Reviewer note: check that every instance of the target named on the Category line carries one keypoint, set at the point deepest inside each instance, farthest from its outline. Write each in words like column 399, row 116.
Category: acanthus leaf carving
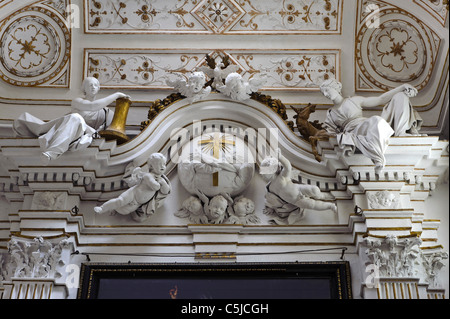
column 396, row 257
column 38, row 258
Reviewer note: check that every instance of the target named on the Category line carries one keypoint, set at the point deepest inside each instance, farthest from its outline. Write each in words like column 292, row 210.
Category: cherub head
column 216, row 210
column 196, row 82
column 386, row 198
column 193, row 205
column 157, row 163
column 243, row 206
column 234, row 80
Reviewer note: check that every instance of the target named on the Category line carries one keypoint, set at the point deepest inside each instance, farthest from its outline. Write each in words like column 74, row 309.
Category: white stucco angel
column 216, row 209
column 285, row 195
column 193, row 88
column 148, row 192
column 238, row 89
column 192, row 208
column 242, row 211
column 370, row 135
column 72, row 131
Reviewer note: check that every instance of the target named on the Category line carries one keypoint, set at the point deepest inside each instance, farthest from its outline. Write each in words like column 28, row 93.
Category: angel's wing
column 224, row 89
column 133, row 174
column 229, row 69
column 201, row 95
column 180, row 85
column 209, row 72
column 254, row 84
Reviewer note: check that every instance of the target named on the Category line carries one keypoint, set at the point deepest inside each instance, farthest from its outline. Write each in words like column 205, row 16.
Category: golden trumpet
column 116, row 130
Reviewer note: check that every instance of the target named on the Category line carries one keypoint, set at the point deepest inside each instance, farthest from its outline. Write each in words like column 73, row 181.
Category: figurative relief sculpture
column 147, row 192
column 215, row 181
column 383, row 200
column 73, row 131
column 221, row 209
column 286, row 200
column 238, row 89
column 193, row 89
column 223, row 77
column 370, row 135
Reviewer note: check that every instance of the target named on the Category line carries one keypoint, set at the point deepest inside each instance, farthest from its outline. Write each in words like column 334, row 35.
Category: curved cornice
column 218, row 110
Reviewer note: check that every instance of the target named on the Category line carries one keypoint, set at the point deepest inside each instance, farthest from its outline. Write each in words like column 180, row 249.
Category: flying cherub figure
column 218, row 72
column 238, row 89
column 193, row 89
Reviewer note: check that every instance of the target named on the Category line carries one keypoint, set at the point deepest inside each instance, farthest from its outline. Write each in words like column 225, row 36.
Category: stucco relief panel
column 214, row 16
column 35, row 48
column 392, row 47
column 285, row 69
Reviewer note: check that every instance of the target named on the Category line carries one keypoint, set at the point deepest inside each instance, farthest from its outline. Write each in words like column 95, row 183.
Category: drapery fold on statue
column 69, row 132
column 370, row 135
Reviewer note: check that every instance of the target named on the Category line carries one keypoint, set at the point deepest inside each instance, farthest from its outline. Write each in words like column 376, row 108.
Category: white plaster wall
column 437, row 207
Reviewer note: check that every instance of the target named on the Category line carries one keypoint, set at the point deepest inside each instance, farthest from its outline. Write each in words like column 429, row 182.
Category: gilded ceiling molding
column 4, row 3
column 214, row 16
column 36, row 46
column 438, row 9
column 286, row 70
column 392, row 46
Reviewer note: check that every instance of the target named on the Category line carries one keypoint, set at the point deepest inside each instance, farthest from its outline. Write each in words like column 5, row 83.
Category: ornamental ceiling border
column 286, row 69
column 35, row 46
column 213, row 17
column 392, row 46
column 438, row 9
column 4, row 3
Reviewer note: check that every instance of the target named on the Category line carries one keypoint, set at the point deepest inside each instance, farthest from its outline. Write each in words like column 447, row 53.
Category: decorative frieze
column 285, row 70
column 214, row 16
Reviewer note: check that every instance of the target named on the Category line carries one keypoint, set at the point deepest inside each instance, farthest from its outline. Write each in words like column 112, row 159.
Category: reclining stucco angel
column 285, row 199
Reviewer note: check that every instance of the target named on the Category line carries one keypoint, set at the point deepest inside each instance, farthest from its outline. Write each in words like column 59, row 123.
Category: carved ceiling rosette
column 392, row 47
column 35, row 48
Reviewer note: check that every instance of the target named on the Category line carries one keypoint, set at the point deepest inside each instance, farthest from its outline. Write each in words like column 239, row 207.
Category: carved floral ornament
column 35, row 48
column 392, row 46
column 402, row 257
column 37, row 258
column 214, row 16
column 287, row 70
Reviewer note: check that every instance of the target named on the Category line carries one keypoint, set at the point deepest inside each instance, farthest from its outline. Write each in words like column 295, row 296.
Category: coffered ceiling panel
column 214, row 16
column 392, row 47
column 35, row 47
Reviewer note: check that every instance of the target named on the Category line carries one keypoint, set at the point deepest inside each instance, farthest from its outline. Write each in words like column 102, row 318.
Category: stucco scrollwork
column 392, row 46
column 35, row 48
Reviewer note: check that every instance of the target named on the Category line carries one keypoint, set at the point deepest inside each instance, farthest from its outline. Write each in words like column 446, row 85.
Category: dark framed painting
column 315, row 280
